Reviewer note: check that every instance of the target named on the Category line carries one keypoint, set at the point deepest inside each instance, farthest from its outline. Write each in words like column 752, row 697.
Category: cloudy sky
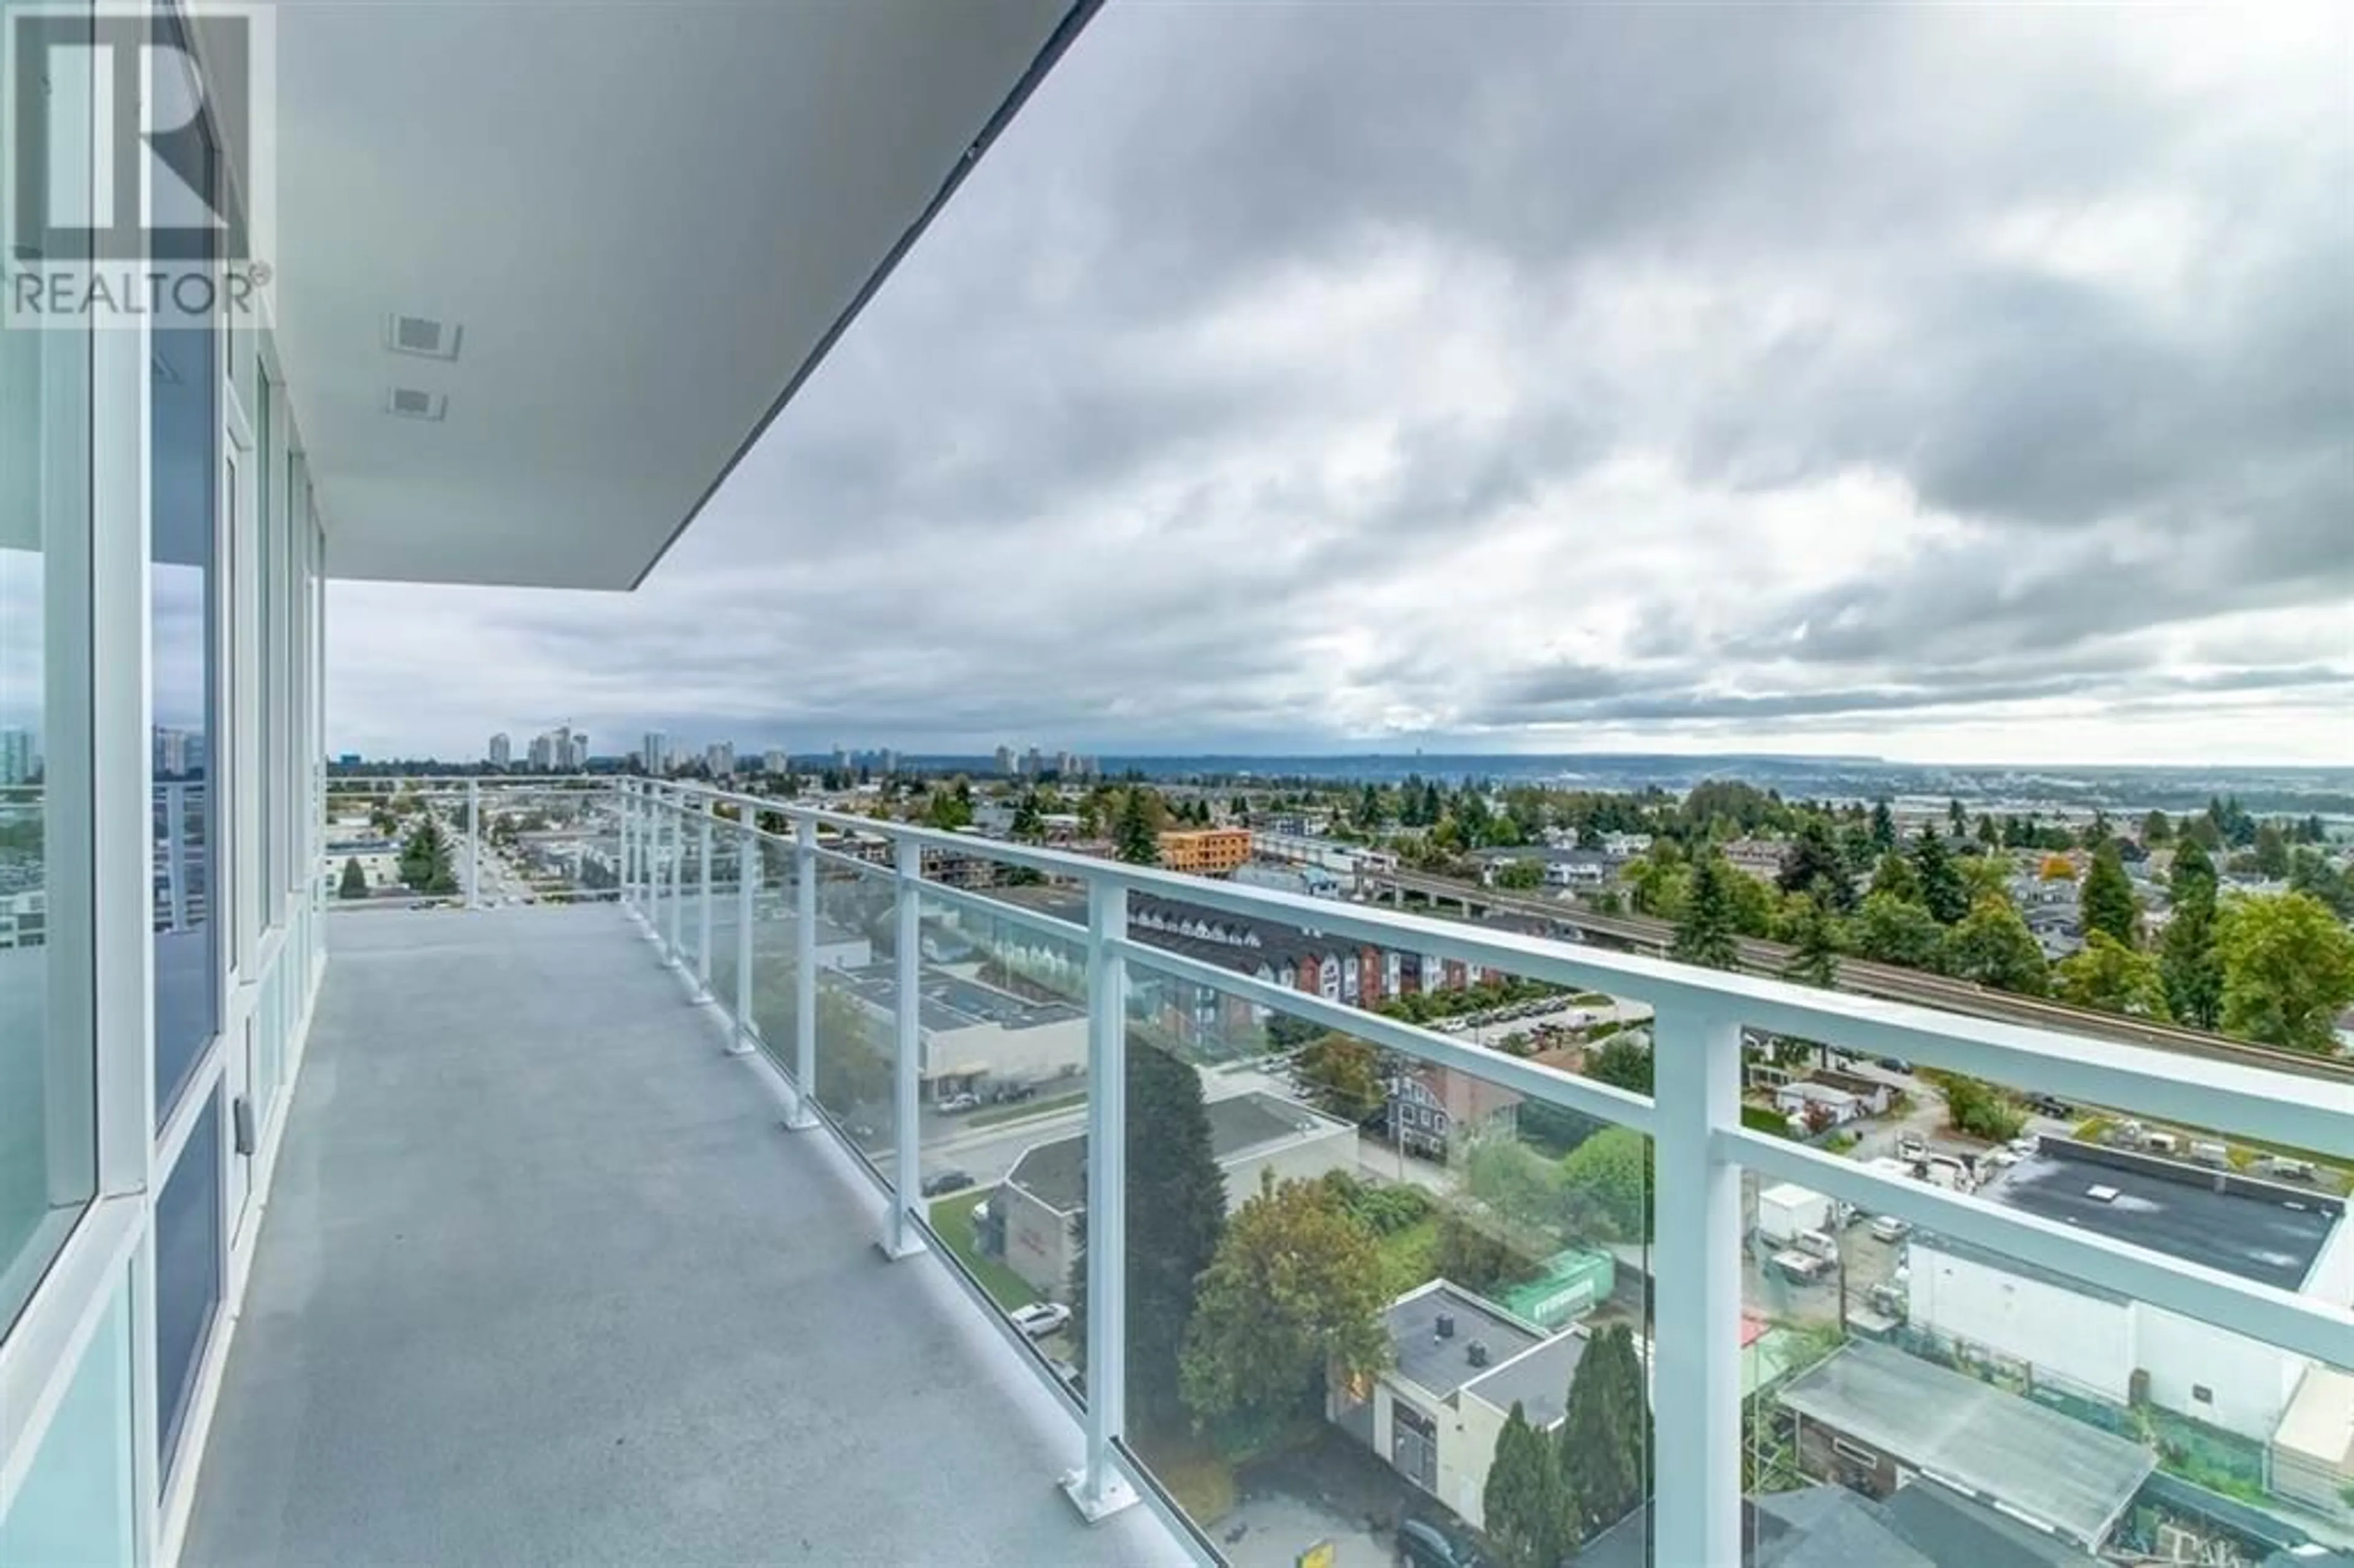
column 1943, row 383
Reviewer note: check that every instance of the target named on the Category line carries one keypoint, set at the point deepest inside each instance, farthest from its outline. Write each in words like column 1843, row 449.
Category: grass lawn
column 990, row 1116
column 1194, row 1473
column 1407, row 1255
column 952, row 1218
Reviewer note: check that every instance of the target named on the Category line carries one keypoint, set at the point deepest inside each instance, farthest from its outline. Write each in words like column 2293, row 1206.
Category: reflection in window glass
column 186, row 428
column 48, row 1104
column 187, row 1269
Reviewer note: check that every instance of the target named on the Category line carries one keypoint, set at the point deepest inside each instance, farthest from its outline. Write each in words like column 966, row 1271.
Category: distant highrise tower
column 840, row 759
column 575, row 750
column 776, row 762
column 888, row 763
column 543, row 753
column 719, row 759
column 502, row 750
column 177, row 755
column 1005, row 759
column 18, row 763
column 653, row 753
column 1033, row 762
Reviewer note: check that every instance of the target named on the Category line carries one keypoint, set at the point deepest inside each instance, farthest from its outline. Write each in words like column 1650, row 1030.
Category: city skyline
column 1456, row 382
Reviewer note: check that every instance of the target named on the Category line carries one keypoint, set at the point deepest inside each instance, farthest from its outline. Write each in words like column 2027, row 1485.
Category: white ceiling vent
column 408, row 403
column 422, row 336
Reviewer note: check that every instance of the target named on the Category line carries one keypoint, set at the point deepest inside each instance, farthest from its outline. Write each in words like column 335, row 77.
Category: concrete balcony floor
column 543, row 1280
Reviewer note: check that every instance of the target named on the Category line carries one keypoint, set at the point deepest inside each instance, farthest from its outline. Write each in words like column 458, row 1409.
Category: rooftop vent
column 2102, row 1194
column 1443, row 1326
column 408, row 403
column 1478, row 1353
column 422, row 336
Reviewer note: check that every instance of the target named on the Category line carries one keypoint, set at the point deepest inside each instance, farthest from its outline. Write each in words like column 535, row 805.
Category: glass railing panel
column 1003, row 1097
column 856, row 1043
column 726, row 885
column 776, row 975
column 1399, row 1253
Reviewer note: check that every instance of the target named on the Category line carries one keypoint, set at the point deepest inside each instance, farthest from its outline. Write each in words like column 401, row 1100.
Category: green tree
column 1604, row 1444
column 2188, row 961
column 2157, row 829
column 425, row 857
column 2108, row 896
column 1894, row 876
column 1658, row 883
column 1029, row 824
column 1623, row 1061
column 1610, row 1175
column 1892, row 930
column 1532, row 1516
column 1709, row 931
column 1519, row 875
column 1978, row 1108
column 1817, row 869
column 1943, row 892
column 1958, row 818
column 2309, row 873
column 354, row 881
column 1993, row 947
column 2113, row 976
column 1296, row 1289
column 2288, row 968
column 2271, row 852
column 1477, row 1255
column 1814, row 947
column 1884, row 827
column 1136, row 837
column 1343, row 1076
column 1176, row 1213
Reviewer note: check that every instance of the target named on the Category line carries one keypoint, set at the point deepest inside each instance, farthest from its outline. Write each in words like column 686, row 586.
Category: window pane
column 47, row 1057
column 186, row 428
column 187, row 1269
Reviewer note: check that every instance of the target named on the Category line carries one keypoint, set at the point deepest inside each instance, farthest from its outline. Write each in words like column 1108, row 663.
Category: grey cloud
column 1027, row 497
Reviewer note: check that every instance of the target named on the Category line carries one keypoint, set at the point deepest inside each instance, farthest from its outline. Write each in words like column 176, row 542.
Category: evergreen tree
column 1532, row 1516
column 2271, row 852
column 424, row 858
column 1989, row 834
column 1605, row 1433
column 2157, row 829
column 354, row 881
column 1814, row 947
column 1884, row 827
column 1956, row 817
column 1817, row 868
column 1709, row 930
column 1176, row 1213
column 1134, row 837
column 2108, row 899
column 1943, row 892
column 2187, row 958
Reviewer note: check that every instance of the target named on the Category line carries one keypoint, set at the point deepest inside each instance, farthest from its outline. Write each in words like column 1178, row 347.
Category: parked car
column 1423, row 1544
column 1041, row 1318
column 941, row 1183
column 1895, row 1064
column 1889, row 1228
column 956, row 1103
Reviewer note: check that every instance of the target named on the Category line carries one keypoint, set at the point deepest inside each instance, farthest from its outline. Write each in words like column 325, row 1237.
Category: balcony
column 545, row 1273
column 543, row 1278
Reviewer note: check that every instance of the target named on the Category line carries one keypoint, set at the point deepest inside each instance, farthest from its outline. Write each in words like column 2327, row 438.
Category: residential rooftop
column 1524, row 1364
column 2258, row 1230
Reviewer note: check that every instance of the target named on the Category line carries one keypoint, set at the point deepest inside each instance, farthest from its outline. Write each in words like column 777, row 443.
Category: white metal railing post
column 903, row 1239
column 626, row 801
column 1696, row 1294
column 748, row 886
column 675, row 873
column 704, row 816
column 1097, row 1488
column 804, row 1113
column 474, row 844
